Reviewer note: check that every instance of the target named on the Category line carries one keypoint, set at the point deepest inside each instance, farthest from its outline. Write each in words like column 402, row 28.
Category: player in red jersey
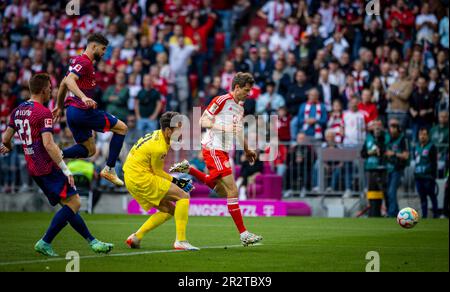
column 34, row 124
column 223, row 121
column 82, row 114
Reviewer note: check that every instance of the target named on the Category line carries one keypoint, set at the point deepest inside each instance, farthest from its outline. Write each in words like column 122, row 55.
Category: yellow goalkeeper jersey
column 147, row 157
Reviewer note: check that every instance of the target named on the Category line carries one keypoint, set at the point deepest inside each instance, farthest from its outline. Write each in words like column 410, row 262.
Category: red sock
column 204, row 178
column 235, row 212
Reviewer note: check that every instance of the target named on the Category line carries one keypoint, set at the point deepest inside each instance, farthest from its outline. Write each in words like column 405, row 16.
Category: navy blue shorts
column 82, row 121
column 55, row 186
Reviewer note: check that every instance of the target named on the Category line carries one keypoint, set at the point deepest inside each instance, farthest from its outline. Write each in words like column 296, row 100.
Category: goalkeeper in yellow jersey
column 151, row 186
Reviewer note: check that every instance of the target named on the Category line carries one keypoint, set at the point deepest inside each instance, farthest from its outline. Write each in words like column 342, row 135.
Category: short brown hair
column 39, row 82
column 98, row 38
column 242, row 79
column 166, row 118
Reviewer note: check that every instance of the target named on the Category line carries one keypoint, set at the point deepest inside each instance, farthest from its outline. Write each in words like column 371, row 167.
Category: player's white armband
column 64, row 168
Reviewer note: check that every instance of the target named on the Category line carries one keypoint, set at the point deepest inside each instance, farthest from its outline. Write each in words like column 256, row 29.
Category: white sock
column 244, row 233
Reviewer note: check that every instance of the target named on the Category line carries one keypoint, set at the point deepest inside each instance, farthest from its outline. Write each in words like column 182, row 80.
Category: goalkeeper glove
column 184, row 184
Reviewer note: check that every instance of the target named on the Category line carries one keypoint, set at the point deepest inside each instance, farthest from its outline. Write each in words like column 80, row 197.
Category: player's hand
column 184, row 184
column 89, row 102
column 57, row 114
column 251, row 156
column 71, row 181
column 4, row 149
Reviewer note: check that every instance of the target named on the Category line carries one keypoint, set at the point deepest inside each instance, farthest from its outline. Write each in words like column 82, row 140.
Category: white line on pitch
column 115, row 255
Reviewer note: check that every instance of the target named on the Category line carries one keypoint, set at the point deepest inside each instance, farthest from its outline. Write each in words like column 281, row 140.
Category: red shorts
column 218, row 163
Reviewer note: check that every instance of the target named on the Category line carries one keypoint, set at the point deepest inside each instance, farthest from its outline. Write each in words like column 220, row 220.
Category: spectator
column 361, row 76
column 335, row 123
column 280, row 77
column 379, row 98
column 328, row 91
column 300, row 163
column 296, row 96
column 398, row 95
column 253, row 41
column 227, row 75
column 269, row 102
column 374, row 164
column 199, row 34
column 312, row 116
column 421, row 107
column 264, row 67
column 247, row 175
column 133, row 134
column 368, row 108
column 335, row 75
column 116, row 97
column 443, row 30
column 147, row 107
column 280, row 41
column 332, row 169
column 284, row 124
column 354, row 124
column 180, row 55
column 240, row 63
column 439, row 137
column 338, row 43
column 386, row 76
column 397, row 158
column 215, row 89
column 326, row 12
column 373, row 35
column 275, row 10
column 426, row 24
column 425, row 170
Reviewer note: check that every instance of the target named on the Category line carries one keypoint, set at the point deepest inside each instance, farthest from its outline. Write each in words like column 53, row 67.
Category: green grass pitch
column 290, row 244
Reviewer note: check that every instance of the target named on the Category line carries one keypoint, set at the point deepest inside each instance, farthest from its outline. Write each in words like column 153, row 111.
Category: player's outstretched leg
column 109, row 173
column 227, row 187
column 59, row 221
column 184, row 167
column 96, row 245
column 134, row 240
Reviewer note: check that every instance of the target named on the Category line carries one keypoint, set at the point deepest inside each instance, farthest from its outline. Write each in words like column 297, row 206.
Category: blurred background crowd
column 329, row 69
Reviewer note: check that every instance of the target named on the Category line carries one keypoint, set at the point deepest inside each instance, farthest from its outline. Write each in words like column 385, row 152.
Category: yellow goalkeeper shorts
column 147, row 189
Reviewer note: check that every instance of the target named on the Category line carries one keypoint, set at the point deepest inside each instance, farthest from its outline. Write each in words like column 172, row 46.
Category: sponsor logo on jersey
column 48, row 123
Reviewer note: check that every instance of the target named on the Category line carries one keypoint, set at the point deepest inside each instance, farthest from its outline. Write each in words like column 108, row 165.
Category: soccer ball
column 407, row 217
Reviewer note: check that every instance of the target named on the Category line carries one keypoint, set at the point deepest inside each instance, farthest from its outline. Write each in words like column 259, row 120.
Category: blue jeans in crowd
column 335, row 176
column 146, row 125
column 225, row 17
column 393, row 182
column 426, row 187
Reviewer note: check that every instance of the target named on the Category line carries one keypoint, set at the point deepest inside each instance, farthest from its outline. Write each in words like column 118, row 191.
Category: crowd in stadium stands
column 329, row 69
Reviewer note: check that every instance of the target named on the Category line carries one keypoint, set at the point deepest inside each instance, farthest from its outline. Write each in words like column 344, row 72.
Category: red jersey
column 83, row 67
column 369, row 111
column 30, row 119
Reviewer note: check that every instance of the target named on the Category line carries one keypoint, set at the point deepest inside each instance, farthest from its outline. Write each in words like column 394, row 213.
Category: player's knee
column 121, row 128
column 74, row 203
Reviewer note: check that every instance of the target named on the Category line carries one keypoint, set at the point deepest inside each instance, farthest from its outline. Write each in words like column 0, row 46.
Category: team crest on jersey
column 214, row 108
column 48, row 123
column 227, row 164
column 163, row 156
